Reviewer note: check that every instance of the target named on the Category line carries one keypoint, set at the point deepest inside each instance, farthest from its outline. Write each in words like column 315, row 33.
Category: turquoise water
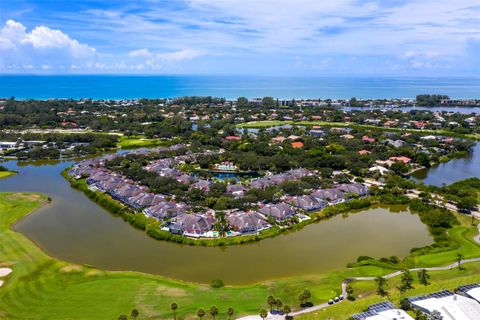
column 230, row 87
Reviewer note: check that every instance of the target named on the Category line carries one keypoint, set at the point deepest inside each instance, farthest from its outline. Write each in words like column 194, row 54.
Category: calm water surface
column 75, row 229
column 232, row 86
column 457, row 169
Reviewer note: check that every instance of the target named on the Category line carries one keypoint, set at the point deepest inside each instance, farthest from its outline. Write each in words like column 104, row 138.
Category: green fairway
column 439, row 280
column 6, row 174
column 267, row 124
column 139, row 142
column 41, row 287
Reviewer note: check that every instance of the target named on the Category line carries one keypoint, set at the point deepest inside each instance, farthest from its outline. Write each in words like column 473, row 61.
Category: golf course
column 42, row 287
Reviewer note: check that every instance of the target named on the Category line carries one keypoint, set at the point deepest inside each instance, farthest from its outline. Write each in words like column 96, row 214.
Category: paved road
column 347, row 281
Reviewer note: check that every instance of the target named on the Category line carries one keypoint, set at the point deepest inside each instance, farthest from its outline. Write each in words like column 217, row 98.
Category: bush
column 217, row 283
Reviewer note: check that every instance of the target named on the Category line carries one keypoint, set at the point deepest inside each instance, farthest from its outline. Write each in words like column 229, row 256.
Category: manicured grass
column 463, row 235
column 41, row 287
column 439, row 280
column 6, row 174
column 139, row 142
column 267, row 124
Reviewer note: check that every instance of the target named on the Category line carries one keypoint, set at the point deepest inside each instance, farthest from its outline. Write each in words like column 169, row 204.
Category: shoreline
column 116, row 208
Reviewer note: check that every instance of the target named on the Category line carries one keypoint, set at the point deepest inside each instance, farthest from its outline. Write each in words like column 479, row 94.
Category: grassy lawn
column 6, row 174
column 439, row 280
column 139, row 142
column 41, row 287
column 267, row 124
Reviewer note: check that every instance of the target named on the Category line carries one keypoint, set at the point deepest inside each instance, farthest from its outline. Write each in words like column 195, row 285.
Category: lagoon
column 75, row 229
column 454, row 170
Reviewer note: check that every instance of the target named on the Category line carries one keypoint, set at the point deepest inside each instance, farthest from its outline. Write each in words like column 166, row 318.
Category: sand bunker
column 5, row 272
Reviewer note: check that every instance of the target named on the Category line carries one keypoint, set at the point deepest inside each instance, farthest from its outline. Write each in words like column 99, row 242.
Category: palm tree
column 423, row 277
column 134, row 314
column 123, row 317
column 263, row 313
column 230, row 312
column 174, row 307
column 271, row 302
column 200, row 313
column 278, row 304
column 301, row 297
column 407, row 280
column 381, row 284
column 307, row 295
column 459, row 260
column 287, row 309
column 213, row 311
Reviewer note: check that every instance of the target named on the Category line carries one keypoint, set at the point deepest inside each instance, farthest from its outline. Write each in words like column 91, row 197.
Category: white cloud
column 181, row 55
column 42, row 48
column 140, row 53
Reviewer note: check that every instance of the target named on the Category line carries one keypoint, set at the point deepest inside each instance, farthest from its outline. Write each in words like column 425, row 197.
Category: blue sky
column 259, row 37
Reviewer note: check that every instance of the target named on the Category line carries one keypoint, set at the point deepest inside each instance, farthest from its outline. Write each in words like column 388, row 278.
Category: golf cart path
column 348, row 280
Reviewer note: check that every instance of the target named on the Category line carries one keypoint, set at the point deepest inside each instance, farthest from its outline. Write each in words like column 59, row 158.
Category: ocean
column 230, row 87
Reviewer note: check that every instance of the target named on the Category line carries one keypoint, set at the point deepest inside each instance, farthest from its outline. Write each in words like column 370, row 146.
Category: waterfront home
column 112, row 183
column 98, row 175
column 142, row 200
column 165, row 210
column 237, row 190
column 247, row 222
column 126, row 191
column 279, row 212
column 307, row 203
column 356, row 188
column 193, row 225
column 332, row 195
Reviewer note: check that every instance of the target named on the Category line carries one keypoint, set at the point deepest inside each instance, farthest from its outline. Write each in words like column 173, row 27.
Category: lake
column 75, row 229
column 447, row 173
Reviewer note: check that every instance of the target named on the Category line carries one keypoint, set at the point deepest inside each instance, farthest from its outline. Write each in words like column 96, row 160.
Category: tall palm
column 287, row 309
column 213, row 311
column 307, row 294
column 381, row 285
column 200, row 313
column 459, row 260
column 271, row 302
column 134, row 314
column 230, row 312
column 174, row 307
column 263, row 313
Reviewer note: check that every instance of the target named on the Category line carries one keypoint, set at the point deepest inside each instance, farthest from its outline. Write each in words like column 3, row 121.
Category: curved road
column 347, row 281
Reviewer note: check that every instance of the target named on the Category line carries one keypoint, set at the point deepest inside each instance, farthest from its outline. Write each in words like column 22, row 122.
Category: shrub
column 217, row 283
